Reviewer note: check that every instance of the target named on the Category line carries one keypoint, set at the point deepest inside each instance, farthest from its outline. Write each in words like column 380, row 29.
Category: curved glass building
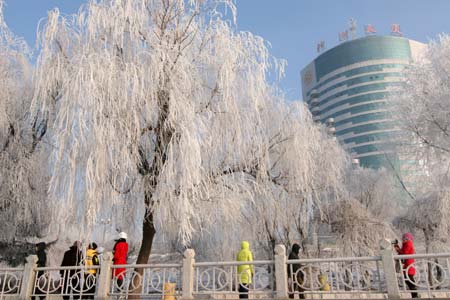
column 346, row 87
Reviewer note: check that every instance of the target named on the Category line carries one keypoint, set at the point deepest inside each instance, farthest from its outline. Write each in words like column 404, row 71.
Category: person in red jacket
column 408, row 264
column 120, row 258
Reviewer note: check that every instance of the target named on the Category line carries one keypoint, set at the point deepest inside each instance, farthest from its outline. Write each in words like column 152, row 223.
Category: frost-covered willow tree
column 423, row 110
column 309, row 173
column 305, row 172
column 158, row 103
column 162, row 106
column 364, row 216
column 293, row 205
column 23, row 176
column 430, row 216
column 357, row 231
column 378, row 191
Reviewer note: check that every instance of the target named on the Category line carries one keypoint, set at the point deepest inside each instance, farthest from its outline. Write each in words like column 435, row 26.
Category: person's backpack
column 95, row 260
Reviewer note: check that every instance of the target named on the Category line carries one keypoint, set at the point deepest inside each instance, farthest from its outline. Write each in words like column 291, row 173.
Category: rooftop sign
column 351, row 33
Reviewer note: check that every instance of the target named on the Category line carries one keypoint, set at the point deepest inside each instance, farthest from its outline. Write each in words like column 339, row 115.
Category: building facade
column 346, row 88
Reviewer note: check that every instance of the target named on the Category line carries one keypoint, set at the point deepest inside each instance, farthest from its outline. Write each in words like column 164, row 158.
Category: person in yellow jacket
column 245, row 272
column 90, row 273
column 324, row 285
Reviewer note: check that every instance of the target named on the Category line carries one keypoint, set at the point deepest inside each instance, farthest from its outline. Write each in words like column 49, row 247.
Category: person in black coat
column 295, row 275
column 72, row 278
column 42, row 261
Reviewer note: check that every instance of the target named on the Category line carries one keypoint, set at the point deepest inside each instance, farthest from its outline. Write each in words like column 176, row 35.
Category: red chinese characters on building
column 395, row 30
column 320, row 46
column 369, row 29
column 343, row 36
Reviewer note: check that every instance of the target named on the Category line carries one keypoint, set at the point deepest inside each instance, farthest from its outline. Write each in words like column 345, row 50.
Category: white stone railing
column 10, row 282
column 65, row 281
column 150, row 280
column 334, row 278
column 432, row 276
column 223, row 278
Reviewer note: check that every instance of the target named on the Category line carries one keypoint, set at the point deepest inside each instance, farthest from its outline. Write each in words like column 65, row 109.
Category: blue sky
column 293, row 27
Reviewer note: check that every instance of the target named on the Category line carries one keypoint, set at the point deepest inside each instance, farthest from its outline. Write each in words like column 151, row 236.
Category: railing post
column 188, row 275
column 281, row 278
column 104, row 278
column 29, row 273
column 389, row 270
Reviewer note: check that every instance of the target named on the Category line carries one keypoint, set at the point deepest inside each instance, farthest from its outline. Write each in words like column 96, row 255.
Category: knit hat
column 407, row 237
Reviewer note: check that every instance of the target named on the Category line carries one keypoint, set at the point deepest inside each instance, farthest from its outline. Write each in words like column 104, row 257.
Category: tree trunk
column 150, row 173
column 148, row 233
column 427, row 241
column 163, row 133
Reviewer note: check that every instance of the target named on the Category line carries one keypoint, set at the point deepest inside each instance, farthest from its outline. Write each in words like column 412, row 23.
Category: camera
column 394, row 242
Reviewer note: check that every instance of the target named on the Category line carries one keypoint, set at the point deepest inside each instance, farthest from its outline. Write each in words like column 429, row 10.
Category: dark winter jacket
column 296, row 266
column 42, row 256
column 72, row 258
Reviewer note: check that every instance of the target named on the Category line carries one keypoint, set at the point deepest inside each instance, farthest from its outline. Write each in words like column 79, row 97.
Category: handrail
column 143, row 266
column 94, row 267
column 234, row 263
column 341, row 275
column 341, row 259
column 429, row 255
column 12, row 269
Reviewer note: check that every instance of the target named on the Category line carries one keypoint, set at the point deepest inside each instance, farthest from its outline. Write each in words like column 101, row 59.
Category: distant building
column 346, row 88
